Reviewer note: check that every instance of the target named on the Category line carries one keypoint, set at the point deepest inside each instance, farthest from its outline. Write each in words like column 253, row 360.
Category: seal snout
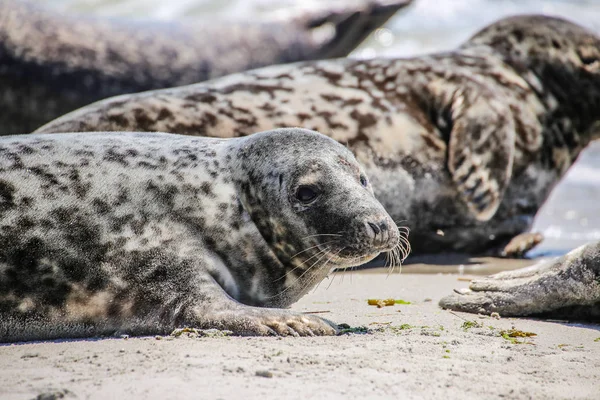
column 383, row 234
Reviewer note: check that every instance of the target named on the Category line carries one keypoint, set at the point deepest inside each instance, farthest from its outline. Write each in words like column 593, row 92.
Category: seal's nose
column 374, row 227
column 378, row 232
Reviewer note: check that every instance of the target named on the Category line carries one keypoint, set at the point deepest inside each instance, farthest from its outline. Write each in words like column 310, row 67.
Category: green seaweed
column 512, row 334
column 470, row 324
column 517, row 333
column 345, row 329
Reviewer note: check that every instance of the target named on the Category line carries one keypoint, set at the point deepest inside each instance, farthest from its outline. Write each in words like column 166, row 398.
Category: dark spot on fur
column 201, row 98
column 164, row 114
column 24, row 149
column 142, row 120
column 164, row 192
column 146, row 165
column 122, row 197
column 119, row 120
column 206, row 188
column 27, row 201
column 101, row 206
column 113, row 156
column 7, row 195
column 84, row 153
column 255, row 88
column 24, row 224
column 519, row 35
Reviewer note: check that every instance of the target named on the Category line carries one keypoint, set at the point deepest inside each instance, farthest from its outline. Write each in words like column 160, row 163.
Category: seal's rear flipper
column 351, row 24
column 549, row 289
column 521, row 244
column 481, row 149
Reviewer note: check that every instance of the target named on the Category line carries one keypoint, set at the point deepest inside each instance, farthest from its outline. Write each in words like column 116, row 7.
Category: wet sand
column 412, row 351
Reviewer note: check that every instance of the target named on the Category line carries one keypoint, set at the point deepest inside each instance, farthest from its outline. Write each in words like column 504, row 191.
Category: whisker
column 301, row 264
column 321, row 234
column 309, row 282
column 393, row 260
column 334, row 274
column 312, row 247
column 324, row 253
column 399, row 257
column 406, row 248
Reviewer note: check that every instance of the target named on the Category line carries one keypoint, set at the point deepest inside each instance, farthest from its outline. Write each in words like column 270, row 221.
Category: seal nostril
column 374, row 227
column 384, row 226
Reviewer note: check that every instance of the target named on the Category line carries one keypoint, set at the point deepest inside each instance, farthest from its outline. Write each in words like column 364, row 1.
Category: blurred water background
column 572, row 214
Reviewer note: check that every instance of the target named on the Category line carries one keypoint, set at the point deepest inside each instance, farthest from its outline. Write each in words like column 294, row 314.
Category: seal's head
column 559, row 59
column 311, row 200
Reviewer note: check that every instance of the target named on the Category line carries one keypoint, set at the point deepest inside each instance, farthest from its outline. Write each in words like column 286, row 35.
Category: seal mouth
column 351, row 255
column 352, row 261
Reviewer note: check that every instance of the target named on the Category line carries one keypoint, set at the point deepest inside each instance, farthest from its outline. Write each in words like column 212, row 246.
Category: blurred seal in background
column 52, row 63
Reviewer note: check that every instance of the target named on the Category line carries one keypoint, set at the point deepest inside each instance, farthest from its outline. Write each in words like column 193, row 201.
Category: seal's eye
column 306, row 194
column 363, row 180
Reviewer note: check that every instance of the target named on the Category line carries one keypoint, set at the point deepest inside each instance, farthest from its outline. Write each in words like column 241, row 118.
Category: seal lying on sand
column 51, row 63
column 140, row 233
column 564, row 288
column 465, row 146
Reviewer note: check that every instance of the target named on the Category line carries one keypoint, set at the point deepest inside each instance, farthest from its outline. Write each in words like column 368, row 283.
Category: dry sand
column 430, row 357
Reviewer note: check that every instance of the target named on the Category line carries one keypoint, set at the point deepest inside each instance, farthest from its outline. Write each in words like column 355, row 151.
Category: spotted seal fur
column 564, row 288
column 464, row 145
column 52, row 63
column 140, row 233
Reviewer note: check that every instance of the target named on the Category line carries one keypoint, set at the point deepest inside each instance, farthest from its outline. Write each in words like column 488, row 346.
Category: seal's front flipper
column 212, row 308
column 567, row 287
column 480, row 149
column 255, row 321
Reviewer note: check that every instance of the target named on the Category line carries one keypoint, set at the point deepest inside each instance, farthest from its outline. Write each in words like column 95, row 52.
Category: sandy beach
column 411, row 351
column 404, row 351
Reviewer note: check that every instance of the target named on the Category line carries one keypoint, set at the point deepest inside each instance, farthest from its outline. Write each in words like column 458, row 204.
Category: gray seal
column 140, row 233
column 566, row 288
column 465, row 145
column 52, row 63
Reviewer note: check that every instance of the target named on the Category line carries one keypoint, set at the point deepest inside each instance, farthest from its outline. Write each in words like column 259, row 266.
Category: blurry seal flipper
column 565, row 288
column 140, row 233
column 53, row 63
column 465, row 145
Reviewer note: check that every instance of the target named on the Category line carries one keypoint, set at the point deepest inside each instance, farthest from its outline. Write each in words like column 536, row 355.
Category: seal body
column 465, row 146
column 140, row 233
column 52, row 63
